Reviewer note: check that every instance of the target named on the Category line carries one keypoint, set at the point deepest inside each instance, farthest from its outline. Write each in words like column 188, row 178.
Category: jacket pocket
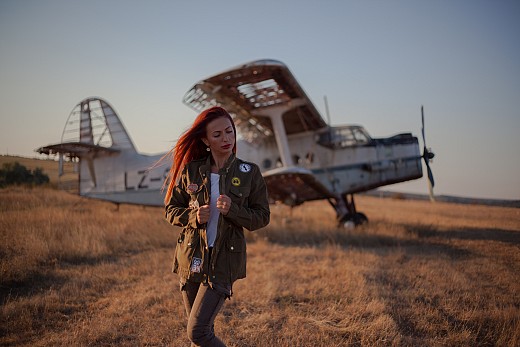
column 239, row 195
column 236, row 254
column 185, row 250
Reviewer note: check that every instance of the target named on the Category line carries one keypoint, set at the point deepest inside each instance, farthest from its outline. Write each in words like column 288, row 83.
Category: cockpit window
column 345, row 136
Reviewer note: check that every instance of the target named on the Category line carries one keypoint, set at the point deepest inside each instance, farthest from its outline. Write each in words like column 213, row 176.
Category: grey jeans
column 203, row 302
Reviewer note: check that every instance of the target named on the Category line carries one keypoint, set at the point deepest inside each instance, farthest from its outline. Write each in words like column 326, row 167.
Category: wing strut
column 275, row 113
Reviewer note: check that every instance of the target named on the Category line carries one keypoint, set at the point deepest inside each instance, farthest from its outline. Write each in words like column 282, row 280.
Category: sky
column 376, row 62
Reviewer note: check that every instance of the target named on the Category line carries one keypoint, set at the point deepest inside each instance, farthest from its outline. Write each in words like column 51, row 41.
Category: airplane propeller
column 427, row 156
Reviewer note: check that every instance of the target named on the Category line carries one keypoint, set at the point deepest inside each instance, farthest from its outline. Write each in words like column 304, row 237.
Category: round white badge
column 245, row 167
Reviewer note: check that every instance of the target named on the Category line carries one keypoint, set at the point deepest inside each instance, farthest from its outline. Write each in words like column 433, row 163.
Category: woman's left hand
column 223, row 204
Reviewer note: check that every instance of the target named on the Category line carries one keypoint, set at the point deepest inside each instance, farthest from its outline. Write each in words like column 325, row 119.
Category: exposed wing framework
column 248, row 91
column 92, row 127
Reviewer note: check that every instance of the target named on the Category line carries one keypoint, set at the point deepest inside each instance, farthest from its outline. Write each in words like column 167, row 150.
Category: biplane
column 302, row 157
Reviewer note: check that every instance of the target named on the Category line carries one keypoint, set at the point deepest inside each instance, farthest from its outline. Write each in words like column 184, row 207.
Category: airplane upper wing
column 249, row 88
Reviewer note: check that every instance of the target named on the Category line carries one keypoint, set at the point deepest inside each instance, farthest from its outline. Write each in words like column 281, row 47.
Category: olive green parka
column 244, row 184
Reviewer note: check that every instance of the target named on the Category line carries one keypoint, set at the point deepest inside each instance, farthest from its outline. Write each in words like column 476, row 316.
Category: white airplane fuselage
column 124, row 177
column 130, row 177
column 350, row 169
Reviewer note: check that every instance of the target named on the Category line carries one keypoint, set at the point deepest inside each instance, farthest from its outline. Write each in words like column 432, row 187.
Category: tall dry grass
column 79, row 272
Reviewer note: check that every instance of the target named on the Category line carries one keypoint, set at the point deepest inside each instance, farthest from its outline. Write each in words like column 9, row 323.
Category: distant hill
column 445, row 198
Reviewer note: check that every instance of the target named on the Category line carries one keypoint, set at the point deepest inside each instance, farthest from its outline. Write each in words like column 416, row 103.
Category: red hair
column 190, row 146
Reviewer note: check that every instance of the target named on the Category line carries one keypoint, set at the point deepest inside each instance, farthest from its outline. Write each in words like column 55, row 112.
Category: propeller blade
column 430, row 190
column 430, row 174
column 422, row 129
column 427, row 156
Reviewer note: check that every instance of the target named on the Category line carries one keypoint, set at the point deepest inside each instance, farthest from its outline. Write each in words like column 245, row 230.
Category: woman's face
column 220, row 136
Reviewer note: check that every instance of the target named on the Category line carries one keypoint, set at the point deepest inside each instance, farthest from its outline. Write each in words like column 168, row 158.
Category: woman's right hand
column 203, row 214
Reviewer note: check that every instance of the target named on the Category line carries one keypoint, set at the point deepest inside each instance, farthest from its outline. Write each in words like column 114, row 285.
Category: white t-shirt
column 211, row 230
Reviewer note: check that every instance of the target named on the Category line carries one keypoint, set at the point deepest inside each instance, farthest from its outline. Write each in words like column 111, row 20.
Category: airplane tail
column 92, row 132
column 95, row 123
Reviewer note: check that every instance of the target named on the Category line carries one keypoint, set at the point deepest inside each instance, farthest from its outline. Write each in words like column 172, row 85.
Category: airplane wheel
column 360, row 218
column 349, row 221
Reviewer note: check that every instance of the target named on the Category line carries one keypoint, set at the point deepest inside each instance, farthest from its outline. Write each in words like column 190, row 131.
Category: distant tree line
column 14, row 173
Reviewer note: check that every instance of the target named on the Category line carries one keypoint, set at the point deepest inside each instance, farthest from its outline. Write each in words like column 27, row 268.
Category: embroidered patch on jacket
column 194, row 204
column 192, row 188
column 196, row 265
column 235, row 181
column 244, row 167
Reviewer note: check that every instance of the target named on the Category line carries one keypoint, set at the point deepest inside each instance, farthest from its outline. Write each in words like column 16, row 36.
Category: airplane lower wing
column 85, row 151
column 75, row 149
column 294, row 185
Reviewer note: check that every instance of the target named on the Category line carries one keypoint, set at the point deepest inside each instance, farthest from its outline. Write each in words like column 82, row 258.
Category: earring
column 208, row 149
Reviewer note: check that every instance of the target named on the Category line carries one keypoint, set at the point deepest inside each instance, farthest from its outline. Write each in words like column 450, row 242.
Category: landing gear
column 354, row 220
column 346, row 213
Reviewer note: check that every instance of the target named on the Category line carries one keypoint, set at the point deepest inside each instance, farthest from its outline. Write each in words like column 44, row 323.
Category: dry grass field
column 77, row 272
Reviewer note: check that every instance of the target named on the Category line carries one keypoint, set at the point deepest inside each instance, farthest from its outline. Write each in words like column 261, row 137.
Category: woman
column 213, row 195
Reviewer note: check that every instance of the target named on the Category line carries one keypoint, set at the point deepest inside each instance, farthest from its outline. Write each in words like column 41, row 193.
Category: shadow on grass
column 473, row 234
column 414, row 240
column 44, row 277
column 34, row 283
